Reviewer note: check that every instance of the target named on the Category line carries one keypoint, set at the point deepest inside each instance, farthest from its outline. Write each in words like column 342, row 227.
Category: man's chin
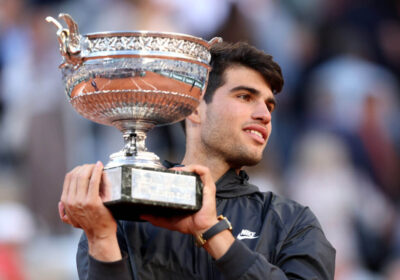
column 252, row 162
column 244, row 161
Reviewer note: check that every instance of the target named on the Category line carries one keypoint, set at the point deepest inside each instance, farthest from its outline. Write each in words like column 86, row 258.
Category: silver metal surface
column 150, row 185
column 77, row 48
column 133, row 81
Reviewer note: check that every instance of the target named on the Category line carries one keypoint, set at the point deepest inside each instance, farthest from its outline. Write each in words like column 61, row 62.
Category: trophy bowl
column 135, row 81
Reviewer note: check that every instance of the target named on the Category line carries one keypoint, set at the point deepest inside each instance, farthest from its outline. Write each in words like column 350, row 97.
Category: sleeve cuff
column 231, row 265
column 109, row 270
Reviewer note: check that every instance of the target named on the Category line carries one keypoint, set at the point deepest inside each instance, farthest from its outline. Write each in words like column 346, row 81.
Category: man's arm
column 91, row 268
column 305, row 254
column 82, row 206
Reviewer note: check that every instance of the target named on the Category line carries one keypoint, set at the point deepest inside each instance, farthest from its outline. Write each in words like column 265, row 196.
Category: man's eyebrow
column 254, row 91
column 245, row 88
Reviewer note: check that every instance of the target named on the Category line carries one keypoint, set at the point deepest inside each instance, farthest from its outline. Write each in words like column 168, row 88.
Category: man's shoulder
column 288, row 212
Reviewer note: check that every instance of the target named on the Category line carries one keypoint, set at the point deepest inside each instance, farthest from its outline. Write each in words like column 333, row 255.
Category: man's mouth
column 257, row 133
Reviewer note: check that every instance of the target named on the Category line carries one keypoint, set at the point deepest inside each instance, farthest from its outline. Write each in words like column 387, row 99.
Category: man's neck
column 217, row 166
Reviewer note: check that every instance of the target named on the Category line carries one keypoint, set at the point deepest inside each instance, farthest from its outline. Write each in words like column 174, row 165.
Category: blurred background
column 335, row 143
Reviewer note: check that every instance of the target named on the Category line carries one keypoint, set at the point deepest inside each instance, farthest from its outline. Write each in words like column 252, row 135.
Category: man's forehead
column 239, row 73
column 240, row 77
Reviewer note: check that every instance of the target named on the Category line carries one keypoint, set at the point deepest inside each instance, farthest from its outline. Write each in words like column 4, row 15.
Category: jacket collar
column 230, row 185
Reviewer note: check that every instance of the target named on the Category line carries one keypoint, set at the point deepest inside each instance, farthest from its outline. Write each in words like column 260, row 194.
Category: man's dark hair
column 225, row 55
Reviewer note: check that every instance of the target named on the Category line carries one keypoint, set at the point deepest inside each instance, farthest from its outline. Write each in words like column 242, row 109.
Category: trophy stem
column 134, row 151
column 134, row 142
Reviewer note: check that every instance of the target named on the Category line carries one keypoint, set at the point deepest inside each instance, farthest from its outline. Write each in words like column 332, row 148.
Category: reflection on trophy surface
column 135, row 81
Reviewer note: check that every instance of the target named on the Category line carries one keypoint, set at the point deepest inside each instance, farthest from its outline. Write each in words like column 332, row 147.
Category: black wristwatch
column 223, row 224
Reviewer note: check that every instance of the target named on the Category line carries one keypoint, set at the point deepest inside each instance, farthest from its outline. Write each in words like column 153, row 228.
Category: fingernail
column 98, row 163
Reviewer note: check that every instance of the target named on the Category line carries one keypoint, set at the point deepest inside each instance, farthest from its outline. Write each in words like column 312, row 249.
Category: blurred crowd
column 335, row 144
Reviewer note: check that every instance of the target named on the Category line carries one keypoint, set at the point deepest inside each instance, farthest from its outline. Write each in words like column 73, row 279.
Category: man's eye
column 270, row 107
column 245, row 97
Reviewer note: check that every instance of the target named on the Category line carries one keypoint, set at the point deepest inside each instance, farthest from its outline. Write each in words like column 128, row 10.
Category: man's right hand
column 82, row 206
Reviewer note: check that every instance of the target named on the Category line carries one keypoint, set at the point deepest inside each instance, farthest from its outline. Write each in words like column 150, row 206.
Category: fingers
column 81, row 205
column 67, row 182
column 69, row 179
column 75, row 194
column 105, row 188
column 61, row 212
column 198, row 169
column 82, row 181
column 205, row 176
column 94, row 183
column 177, row 223
column 82, row 178
column 64, row 217
column 158, row 221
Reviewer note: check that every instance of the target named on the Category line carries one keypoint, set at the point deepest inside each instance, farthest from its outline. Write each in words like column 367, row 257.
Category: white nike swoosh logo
column 240, row 237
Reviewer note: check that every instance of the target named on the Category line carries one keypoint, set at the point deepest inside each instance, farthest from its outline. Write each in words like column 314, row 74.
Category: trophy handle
column 69, row 40
column 74, row 37
column 214, row 40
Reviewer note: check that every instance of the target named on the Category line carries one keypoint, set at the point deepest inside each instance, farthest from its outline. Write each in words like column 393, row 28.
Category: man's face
column 236, row 124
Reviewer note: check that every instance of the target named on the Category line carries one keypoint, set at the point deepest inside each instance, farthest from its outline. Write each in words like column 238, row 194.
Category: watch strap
column 222, row 225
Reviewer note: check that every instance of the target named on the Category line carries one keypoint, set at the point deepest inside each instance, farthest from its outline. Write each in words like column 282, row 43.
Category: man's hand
column 82, row 206
column 202, row 220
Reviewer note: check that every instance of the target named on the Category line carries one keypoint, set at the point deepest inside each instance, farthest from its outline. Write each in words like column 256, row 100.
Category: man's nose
column 262, row 113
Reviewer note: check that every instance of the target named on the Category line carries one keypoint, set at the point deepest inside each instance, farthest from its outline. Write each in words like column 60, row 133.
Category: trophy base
column 131, row 210
column 134, row 191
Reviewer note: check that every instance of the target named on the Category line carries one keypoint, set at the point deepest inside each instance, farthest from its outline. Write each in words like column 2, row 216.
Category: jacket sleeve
column 303, row 254
column 89, row 268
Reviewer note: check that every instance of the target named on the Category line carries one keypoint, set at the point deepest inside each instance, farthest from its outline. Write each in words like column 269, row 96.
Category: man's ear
column 195, row 117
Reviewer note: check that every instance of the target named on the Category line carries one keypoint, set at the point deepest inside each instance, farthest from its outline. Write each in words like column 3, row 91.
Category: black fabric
column 227, row 185
column 276, row 238
column 110, row 270
column 230, row 264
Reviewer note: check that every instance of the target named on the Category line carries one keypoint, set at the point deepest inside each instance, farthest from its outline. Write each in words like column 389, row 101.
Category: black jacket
column 276, row 238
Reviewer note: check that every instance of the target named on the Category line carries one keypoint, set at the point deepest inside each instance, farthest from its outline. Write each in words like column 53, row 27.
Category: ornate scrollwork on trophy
column 147, row 44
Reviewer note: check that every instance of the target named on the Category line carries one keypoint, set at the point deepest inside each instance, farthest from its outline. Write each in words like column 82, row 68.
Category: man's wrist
column 211, row 223
column 219, row 244
column 221, row 225
column 105, row 249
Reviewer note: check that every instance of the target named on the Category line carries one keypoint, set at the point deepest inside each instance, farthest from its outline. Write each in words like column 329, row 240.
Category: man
column 272, row 238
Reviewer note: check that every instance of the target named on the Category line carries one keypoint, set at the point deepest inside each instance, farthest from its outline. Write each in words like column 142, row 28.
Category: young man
column 272, row 238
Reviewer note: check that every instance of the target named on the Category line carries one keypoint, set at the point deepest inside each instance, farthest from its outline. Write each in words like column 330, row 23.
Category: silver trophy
column 135, row 81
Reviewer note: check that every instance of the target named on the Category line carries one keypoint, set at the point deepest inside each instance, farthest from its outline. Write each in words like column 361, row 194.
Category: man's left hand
column 200, row 221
